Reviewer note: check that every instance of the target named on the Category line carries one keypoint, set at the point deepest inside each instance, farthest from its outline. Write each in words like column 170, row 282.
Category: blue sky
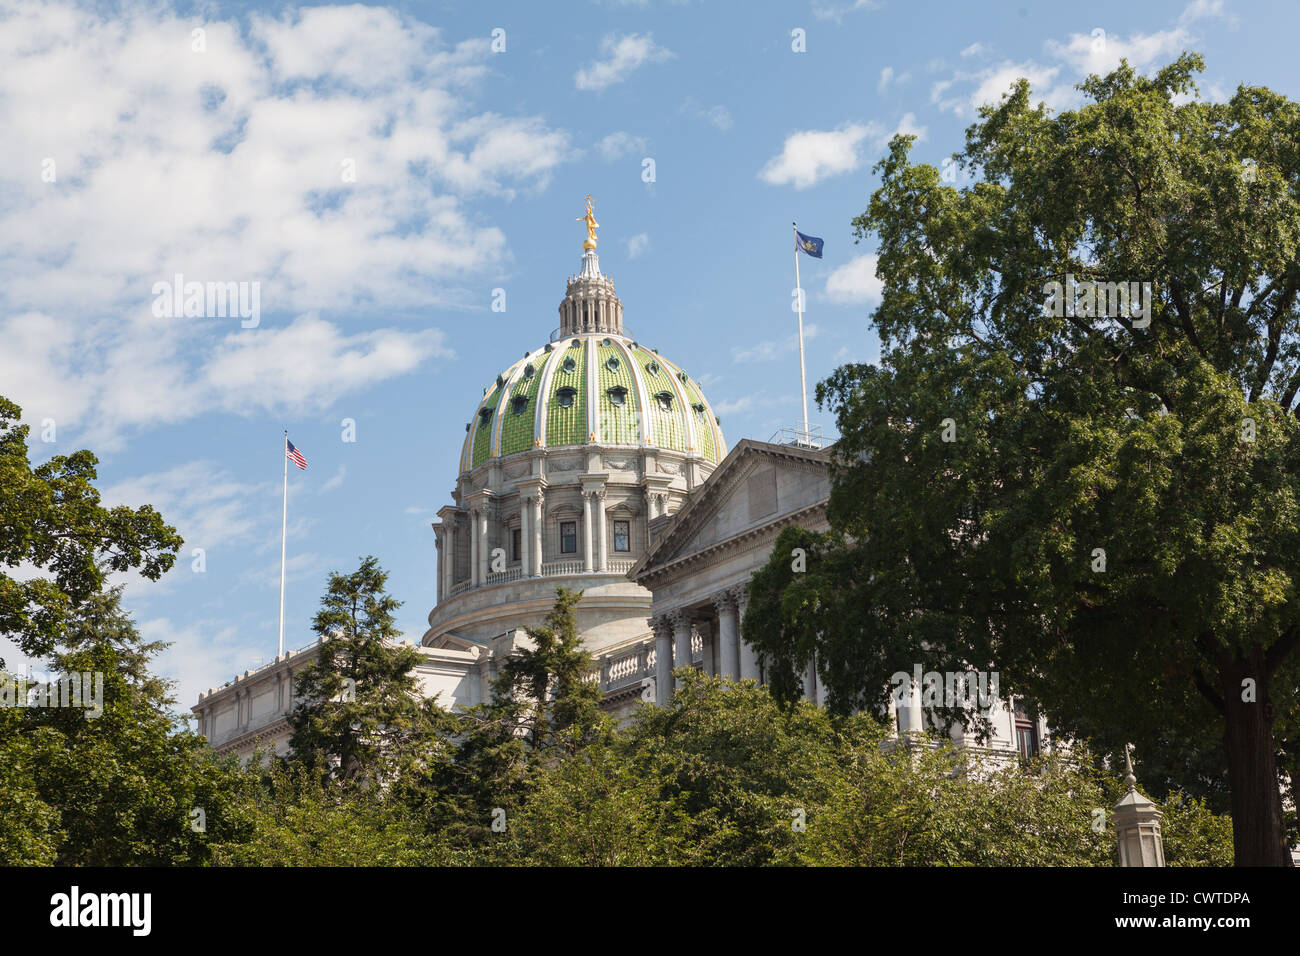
column 135, row 149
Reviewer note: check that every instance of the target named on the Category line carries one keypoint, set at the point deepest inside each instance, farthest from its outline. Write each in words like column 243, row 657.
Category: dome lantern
column 590, row 303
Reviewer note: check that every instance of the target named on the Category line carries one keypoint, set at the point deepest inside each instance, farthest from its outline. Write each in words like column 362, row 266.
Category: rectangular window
column 1026, row 733
column 622, row 536
column 568, row 537
column 516, row 542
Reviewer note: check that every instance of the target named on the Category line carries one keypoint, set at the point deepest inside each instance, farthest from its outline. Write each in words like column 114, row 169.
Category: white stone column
column 708, row 647
column 525, row 536
column 482, row 534
column 442, row 564
column 602, row 547
column 475, row 581
column 587, row 564
column 728, row 652
column 447, row 561
column 538, row 521
column 681, row 639
column 748, row 657
column 663, row 660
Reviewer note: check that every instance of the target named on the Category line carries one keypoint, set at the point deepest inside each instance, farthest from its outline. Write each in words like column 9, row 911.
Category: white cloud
column 336, row 480
column 730, row 408
column 619, row 144
column 837, row 11
column 623, row 54
column 976, row 49
column 1100, row 52
column 809, row 156
column 718, row 116
column 104, row 379
column 234, row 164
column 771, row 349
column 855, row 281
column 1097, row 51
column 637, row 244
column 989, row 85
column 208, row 506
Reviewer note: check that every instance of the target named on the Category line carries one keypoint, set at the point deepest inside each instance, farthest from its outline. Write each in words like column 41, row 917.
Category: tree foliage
column 1102, row 510
column 53, row 520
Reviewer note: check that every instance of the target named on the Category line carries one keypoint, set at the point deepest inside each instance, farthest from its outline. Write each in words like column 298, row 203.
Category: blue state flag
column 809, row 244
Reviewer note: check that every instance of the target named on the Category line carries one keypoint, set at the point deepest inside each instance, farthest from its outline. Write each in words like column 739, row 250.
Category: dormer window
column 617, row 395
column 529, row 371
column 699, row 408
column 485, row 416
column 569, row 365
column 665, row 400
column 612, row 364
column 682, row 376
column 652, row 368
column 518, row 404
column 565, row 396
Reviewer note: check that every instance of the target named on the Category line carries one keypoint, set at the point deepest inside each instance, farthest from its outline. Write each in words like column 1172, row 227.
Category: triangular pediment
column 757, row 484
column 454, row 642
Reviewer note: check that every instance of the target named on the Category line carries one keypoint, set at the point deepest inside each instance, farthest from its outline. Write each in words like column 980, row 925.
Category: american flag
column 294, row 455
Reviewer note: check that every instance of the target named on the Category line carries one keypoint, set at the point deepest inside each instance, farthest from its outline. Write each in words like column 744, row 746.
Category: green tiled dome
column 592, row 388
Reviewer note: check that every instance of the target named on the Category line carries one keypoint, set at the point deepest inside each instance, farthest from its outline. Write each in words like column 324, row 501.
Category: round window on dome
column 518, row 404
column 652, row 368
column 569, row 365
column 612, row 364
column 699, row 408
column 565, row 396
column 529, row 371
column 665, row 400
column 617, row 395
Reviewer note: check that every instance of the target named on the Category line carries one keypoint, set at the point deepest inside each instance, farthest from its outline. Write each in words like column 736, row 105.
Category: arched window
column 565, row 396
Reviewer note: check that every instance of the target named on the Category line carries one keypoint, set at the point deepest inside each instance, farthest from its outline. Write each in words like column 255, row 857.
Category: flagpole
column 803, row 379
column 284, row 527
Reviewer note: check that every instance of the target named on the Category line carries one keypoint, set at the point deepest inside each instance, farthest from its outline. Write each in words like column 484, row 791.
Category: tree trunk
column 1258, row 830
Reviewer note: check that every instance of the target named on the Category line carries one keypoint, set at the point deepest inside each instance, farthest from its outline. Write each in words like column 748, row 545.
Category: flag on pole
column 808, row 244
column 294, row 455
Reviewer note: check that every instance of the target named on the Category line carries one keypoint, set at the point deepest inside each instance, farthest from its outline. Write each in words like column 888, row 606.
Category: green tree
column 357, row 710
column 294, row 817
column 548, row 688
column 544, row 704
column 127, row 787
column 1101, row 509
column 51, row 517
column 745, row 769
column 595, row 806
column 1193, row 834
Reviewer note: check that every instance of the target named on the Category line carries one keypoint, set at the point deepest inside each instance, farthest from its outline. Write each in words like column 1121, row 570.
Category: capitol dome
column 591, row 384
column 573, row 460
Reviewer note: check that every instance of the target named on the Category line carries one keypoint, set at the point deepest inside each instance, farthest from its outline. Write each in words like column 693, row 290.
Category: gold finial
column 592, row 225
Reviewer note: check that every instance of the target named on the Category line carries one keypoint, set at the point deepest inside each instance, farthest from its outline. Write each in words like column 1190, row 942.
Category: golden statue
column 592, row 226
